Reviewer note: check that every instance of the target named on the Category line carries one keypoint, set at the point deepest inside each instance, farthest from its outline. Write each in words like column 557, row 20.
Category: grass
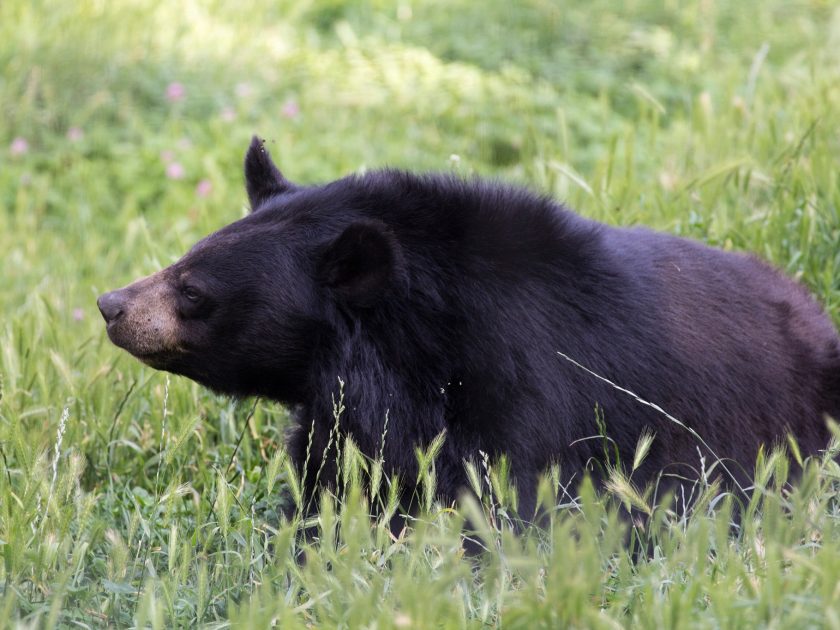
column 131, row 498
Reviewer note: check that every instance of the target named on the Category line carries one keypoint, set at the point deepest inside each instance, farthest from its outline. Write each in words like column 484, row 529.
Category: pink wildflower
column 204, row 188
column 75, row 134
column 290, row 109
column 19, row 146
column 174, row 170
column 175, row 92
column 228, row 114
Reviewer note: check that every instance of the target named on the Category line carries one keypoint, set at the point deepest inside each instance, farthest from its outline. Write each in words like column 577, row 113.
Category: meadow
column 133, row 498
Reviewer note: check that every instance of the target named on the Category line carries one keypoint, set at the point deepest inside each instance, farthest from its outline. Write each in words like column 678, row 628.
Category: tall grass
column 129, row 498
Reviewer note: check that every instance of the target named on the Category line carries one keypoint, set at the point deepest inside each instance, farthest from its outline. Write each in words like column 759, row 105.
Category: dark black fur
column 442, row 303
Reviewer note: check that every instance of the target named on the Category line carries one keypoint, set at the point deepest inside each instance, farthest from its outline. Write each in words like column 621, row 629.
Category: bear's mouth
column 138, row 348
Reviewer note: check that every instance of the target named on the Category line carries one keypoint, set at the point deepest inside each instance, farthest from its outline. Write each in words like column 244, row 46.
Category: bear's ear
column 262, row 178
column 362, row 263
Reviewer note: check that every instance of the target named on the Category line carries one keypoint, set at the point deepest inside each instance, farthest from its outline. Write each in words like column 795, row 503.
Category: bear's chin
column 182, row 364
column 156, row 360
column 167, row 360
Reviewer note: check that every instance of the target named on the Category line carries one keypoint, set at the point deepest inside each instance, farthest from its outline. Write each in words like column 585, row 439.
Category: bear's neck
column 370, row 385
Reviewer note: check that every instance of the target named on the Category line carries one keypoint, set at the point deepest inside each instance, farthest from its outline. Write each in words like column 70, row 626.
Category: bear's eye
column 191, row 294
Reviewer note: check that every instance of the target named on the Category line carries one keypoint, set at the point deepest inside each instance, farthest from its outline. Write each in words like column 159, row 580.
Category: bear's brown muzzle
column 141, row 318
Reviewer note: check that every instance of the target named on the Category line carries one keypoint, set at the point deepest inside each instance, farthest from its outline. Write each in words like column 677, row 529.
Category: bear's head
column 247, row 310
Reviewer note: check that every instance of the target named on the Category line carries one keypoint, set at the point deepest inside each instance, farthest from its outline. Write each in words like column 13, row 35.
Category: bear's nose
column 111, row 305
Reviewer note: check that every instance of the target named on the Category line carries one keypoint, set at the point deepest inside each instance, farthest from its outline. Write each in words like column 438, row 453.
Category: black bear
column 443, row 304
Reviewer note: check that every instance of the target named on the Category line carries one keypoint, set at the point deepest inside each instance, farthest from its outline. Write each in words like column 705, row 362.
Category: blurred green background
column 122, row 129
